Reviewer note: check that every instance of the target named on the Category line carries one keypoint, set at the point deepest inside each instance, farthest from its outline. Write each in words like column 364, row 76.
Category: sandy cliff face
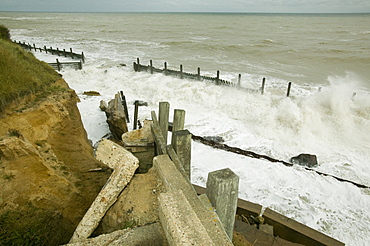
column 45, row 159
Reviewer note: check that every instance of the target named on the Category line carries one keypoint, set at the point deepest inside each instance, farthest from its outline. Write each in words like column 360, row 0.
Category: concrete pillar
column 182, row 146
column 222, row 191
column 163, row 116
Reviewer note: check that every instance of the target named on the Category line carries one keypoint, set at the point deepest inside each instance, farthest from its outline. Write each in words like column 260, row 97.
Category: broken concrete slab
column 124, row 165
column 151, row 235
column 173, row 180
column 181, row 224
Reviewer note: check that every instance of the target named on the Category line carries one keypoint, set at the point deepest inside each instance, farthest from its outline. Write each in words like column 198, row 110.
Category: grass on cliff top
column 21, row 73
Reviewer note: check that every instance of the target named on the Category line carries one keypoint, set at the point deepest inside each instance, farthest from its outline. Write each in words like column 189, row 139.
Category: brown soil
column 45, row 158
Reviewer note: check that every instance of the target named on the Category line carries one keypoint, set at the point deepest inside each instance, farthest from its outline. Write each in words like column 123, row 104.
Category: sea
column 326, row 57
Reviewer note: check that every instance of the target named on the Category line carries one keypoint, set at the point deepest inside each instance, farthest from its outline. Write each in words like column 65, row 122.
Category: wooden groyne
column 52, row 51
column 59, row 52
column 60, row 65
column 186, row 75
column 197, row 76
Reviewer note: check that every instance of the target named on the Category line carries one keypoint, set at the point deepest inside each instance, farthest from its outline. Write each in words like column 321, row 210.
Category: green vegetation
column 8, row 176
column 4, row 33
column 14, row 133
column 31, row 226
column 21, row 73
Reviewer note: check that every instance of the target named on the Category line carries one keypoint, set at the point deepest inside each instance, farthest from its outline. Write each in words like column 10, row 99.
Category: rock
column 103, row 105
column 216, row 139
column 14, row 147
column 116, row 118
column 91, row 93
column 305, row 160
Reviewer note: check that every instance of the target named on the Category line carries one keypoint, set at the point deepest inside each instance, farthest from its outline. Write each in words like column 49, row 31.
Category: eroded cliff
column 45, row 163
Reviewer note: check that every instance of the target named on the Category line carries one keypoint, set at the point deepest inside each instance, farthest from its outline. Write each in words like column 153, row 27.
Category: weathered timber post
column 239, row 80
column 288, row 91
column 222, row 191
column 64, row 53
column 138, row 64
column 46, row 50
column 158, row 136
column 58, row 65
column 83, row 57
column 58, row 52
column 165, row 68
column 198, row 73
column 178, row 122
column 181, row 72
column 80, row 65
column 151, row 66
column 163, row 116
column 34, row 46
column 218, row 78
column 71, row 53
column 124, row 104
column 182, row 147
column 136, row 112
column 263, row 86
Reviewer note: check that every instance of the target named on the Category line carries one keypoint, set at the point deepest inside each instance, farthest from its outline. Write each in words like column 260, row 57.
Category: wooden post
column 182, row 147
column 83, row 57
column 124, row 104
column 163, row 116
column 58, row 51
column 181, row 74
column 151, row 66
column 64, row 52
column 263, row 86
column 71, row 53
column 288, row 91
column 222, row 191
column 58, row 65
column 198, row 73
column 239, row 80
column 34, row 46
column 136, row 112
column 46, row 50
column 178, row 122
column 165, row 68
column 138, row 64
column 218, row 77
column 158, row 136
column 80, row 65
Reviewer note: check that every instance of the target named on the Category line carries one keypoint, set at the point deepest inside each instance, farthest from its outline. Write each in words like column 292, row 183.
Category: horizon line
column 181, row 12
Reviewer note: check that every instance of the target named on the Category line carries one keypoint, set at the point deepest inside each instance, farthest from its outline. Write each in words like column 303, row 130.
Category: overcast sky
column 277, row 6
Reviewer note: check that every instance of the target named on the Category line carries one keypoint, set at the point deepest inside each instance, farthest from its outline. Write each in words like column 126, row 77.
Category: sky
column 274, row 6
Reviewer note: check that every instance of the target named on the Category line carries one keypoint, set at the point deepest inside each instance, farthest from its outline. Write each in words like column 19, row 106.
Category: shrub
column 4, row 33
